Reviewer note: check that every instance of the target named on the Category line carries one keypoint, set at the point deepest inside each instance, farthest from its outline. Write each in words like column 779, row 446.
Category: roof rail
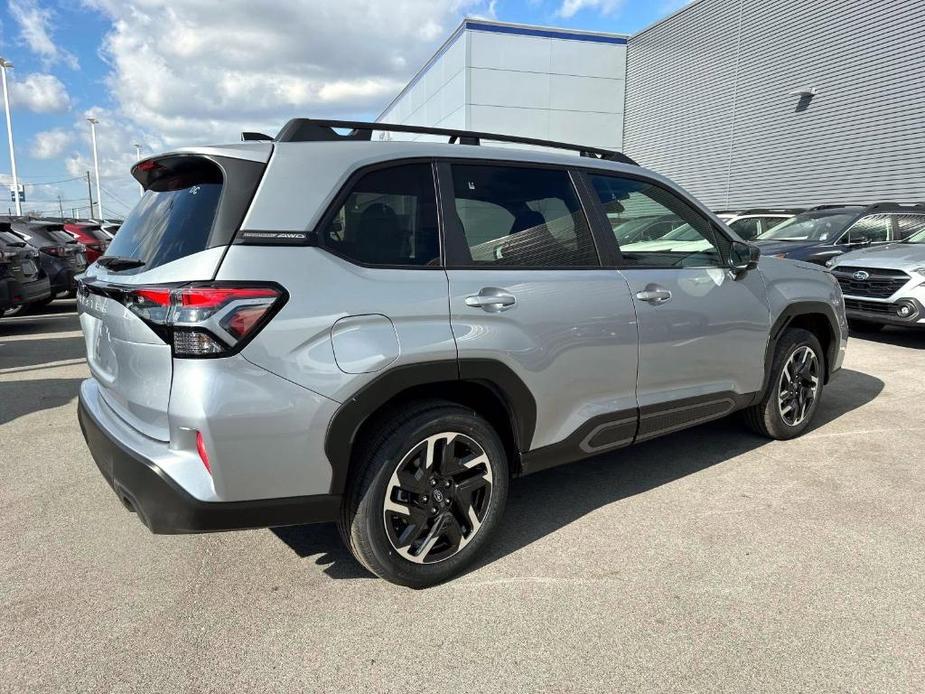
column 762, row 210
column 832, row 206
column 311, row 130
column 881, row 205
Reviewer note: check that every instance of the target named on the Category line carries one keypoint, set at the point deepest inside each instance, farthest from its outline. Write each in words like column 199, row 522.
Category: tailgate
column 176, row 234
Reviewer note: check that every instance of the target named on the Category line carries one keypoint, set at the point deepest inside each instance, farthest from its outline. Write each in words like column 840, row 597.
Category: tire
column 789, row 405
column 863, row 326
column 416, row 523
column 16, row 311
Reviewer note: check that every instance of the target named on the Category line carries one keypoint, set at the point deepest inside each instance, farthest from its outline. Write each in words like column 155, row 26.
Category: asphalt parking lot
column 708, row 560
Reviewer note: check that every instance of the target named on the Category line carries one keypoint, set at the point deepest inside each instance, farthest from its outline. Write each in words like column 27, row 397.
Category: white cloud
column 50, row 143
column 41, row 93
column 606, row 7
column 35, row 30
column 207, row 69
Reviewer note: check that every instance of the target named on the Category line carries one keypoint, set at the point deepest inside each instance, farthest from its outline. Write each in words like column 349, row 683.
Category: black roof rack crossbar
column 311, row 130
column 899, row 206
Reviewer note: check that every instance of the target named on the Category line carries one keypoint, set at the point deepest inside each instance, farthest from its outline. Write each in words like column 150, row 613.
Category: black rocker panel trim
column 614, row 430
column 600, row 434
column 784, row 320
column 352, row 414
column 665, row 418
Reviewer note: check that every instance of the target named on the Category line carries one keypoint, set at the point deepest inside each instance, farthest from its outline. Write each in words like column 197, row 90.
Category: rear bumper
column 165, row 507
column 37, row 290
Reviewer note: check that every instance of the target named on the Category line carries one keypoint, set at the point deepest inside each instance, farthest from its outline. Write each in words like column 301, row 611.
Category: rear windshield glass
column 60, row 235
column 174, row 217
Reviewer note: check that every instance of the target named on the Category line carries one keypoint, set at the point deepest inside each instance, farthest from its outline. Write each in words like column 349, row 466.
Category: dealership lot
column 710, row 559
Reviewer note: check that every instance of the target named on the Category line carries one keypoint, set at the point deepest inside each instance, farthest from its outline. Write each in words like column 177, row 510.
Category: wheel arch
column 487, row 386
column 818, row 318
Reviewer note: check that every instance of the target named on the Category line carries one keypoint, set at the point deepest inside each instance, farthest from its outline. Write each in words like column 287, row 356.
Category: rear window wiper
column 118, row 262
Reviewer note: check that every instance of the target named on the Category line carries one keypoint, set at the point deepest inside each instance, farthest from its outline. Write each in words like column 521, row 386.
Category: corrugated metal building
column 552, row 84
column 710, row 101
column 743, row 102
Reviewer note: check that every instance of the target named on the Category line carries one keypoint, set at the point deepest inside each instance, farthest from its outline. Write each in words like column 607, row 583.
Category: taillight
column 212, row 320
column 57, row 251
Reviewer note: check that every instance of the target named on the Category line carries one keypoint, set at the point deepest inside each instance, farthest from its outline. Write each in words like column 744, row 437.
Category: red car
column 90, row 235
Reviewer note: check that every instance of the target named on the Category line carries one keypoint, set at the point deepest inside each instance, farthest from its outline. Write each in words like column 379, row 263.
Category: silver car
column 383, row 333
column 885, row 285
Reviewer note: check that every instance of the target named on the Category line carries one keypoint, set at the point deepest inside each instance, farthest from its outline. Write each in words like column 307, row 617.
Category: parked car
column 22, row 283
column 830, row 230
column 884, row 285
column 92, row 236
column 749, row 223
column 392, row 367
column 60, row 255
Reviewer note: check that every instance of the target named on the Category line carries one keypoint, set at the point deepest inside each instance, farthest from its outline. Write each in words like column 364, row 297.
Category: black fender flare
column 784, row 320
column 344, row 426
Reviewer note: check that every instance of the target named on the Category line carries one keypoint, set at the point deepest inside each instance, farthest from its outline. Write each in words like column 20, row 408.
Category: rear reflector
column 201, row 448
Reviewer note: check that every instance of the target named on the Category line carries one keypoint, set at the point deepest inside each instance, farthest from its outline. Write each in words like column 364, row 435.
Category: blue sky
column 165, row 73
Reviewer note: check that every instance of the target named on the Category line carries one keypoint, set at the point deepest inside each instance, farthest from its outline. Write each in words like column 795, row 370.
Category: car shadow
column 18, row 356
column 53, row 318
column 542, row 503
column 20, row 398
column 900, row 337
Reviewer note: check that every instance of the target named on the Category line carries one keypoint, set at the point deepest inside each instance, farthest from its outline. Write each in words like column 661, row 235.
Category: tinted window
column 174, row 217
column 388, row 218
column 747, row 227
column 521, row 217
column 874, row 228
column 691, row 243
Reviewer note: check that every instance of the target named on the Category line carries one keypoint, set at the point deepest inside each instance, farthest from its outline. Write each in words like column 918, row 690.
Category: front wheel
column 429, row 495
column 794, row 388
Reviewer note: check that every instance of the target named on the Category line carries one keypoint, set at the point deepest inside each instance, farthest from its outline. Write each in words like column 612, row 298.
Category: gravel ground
column 707, row 560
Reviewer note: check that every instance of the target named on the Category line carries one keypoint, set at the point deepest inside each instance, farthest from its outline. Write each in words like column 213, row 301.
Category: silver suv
column 321, row 327
column 885, row 285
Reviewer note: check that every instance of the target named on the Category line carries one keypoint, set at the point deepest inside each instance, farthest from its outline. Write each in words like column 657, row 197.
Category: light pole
column 4, row 64
column 96, row 166
column 141, row 188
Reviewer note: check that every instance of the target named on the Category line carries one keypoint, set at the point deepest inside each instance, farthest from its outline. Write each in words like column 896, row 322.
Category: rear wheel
column 429, row 495
column 15, row 311
column 863, row 326
column 794, row 389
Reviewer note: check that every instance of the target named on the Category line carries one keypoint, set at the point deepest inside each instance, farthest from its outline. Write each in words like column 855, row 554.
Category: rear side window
column 389, row 218
column 909, row 224
column 874, row 228
column 174, row 217
column 520, row 217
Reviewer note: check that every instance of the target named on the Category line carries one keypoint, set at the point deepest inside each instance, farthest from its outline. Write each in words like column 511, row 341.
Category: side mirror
column 743, row 256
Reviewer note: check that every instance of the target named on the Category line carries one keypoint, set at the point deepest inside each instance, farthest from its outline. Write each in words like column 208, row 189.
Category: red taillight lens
column 56, row 251
column 201, row 449
column 205, row 320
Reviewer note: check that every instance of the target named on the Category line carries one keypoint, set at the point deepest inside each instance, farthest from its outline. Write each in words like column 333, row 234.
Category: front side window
column 874, row 228
column 692, row 242
column 520, row 217
column 388, row 218
column 746, row 228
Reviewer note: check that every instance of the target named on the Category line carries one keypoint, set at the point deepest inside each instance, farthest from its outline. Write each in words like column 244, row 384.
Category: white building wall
column 545, row 83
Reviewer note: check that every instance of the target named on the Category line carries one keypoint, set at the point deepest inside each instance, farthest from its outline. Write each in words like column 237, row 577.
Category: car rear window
column 174, row 217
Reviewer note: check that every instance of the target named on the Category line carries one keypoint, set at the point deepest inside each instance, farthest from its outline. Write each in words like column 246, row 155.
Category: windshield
column 814, row 227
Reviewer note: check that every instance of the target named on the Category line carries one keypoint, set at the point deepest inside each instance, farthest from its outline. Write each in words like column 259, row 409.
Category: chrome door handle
column 491, row 299
column 654, row 294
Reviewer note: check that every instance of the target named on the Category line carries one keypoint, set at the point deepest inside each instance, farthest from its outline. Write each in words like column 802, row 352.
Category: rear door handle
column 491, row 299
column 654, row 294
